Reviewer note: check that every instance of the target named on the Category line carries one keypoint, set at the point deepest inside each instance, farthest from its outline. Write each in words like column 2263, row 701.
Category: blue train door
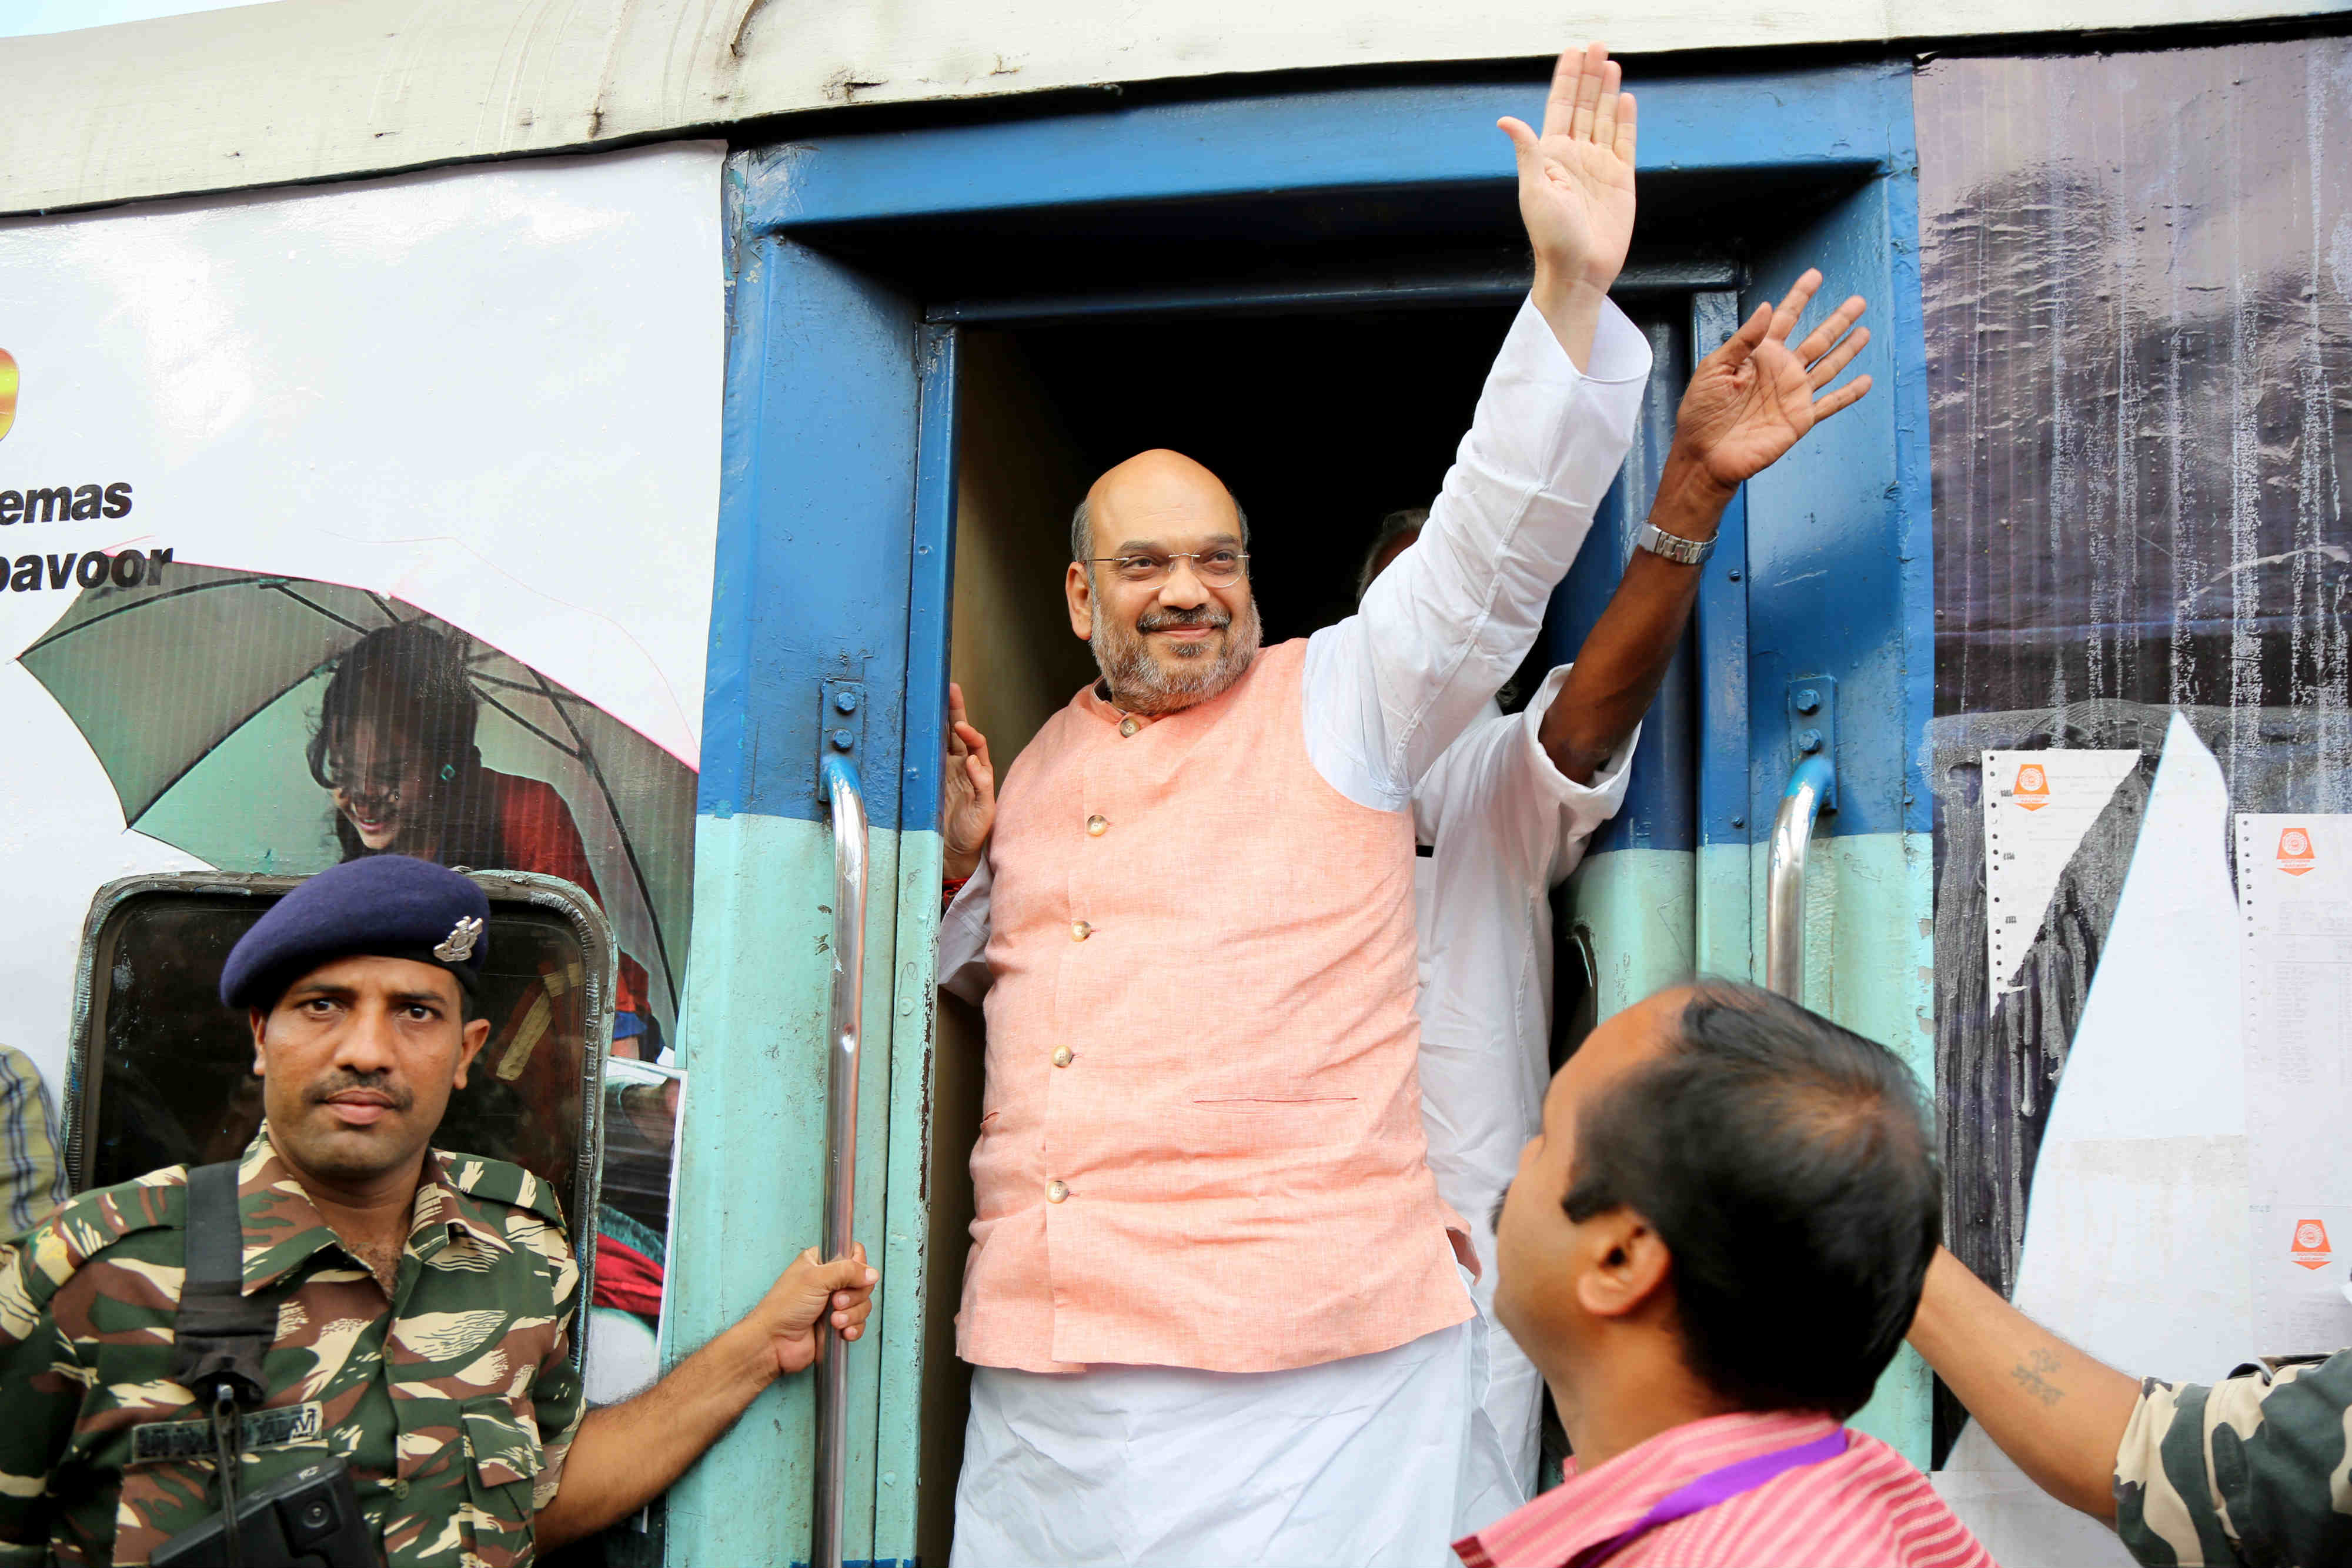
column 936, row 335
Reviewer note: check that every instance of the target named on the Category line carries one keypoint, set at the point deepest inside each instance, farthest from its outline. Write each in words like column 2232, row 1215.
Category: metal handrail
column 1784, row 886
column 843, row 1025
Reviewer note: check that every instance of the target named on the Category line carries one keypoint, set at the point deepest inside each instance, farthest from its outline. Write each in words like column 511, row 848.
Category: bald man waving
column 1213, row 1303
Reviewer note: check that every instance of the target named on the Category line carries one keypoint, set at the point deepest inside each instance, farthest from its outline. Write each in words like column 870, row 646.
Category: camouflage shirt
column 452, row 1403
column 2251, row 1470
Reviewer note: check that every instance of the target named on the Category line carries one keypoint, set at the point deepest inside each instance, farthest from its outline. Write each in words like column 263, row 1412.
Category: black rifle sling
column 222, row 1333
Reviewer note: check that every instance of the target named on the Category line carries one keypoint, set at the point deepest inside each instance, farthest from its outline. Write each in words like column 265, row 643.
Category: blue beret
column 381, row 906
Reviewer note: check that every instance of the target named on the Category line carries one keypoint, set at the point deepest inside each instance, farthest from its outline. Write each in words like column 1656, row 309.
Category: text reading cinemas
column 65, row 503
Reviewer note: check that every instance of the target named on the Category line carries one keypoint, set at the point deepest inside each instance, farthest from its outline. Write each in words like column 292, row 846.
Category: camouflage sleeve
column 41, row 1385
column 2250, row 1470
column 556, row 1392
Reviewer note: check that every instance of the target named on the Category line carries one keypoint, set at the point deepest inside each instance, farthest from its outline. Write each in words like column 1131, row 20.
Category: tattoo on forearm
column 2032, row 1374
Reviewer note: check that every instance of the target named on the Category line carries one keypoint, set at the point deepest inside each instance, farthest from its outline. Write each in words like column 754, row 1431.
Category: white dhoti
column 1382, row 1459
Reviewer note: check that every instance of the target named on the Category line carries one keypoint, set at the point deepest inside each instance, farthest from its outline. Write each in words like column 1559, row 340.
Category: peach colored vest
column 1201, row 1144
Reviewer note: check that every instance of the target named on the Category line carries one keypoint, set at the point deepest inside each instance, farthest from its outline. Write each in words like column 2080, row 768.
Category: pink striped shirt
column 1867, row 1508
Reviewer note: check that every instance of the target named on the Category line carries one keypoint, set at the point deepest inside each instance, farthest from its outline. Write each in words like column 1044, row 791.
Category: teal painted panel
column 906, row 1260
column 1725, row 925
column 751, row 1178
column 1640, row 908
column 1870, row 948
column 1870, row 964
column 1901, row 1412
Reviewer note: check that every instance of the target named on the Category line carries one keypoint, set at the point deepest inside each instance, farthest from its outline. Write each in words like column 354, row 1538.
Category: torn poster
column 2037, row 807
column 2139, row 1189
column 2295, row 914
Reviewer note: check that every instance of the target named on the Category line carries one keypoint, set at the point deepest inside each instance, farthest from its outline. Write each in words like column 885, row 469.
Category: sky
column 18, row 17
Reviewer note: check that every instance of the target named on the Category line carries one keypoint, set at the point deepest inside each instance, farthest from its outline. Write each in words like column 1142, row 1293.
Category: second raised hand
column 1755, row 397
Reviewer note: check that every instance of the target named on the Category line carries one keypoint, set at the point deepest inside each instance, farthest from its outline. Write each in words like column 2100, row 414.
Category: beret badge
column 459, row 946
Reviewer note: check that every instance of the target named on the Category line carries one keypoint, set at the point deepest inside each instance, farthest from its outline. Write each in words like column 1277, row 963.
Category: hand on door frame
column 967, row 794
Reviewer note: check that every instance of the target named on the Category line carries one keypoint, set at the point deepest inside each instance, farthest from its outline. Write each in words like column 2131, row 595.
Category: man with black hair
column 1712, row 1251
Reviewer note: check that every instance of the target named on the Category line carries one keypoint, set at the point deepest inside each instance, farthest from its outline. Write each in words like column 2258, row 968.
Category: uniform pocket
column 503, row 1462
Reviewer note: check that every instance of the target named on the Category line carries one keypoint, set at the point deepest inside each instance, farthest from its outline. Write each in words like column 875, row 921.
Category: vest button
column 1129, row 725
column 1055, row 1192
column 1061, row 1056
column 1080, row 930
column 1098, row 826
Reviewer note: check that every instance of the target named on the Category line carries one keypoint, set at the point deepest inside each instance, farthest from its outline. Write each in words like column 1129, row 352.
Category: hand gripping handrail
column 1784, row 886
column 843, row 1025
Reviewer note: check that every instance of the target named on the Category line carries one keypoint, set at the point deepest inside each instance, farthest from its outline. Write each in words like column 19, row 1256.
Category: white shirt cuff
column 1590, row 804
column 1620, row 357
column 963, row 938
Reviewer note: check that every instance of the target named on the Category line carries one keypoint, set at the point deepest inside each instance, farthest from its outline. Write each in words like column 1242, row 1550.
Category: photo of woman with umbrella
column 269, row 722
column 394, row 749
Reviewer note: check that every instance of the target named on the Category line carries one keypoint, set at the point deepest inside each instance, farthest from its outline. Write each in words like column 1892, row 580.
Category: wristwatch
column 1674, row 546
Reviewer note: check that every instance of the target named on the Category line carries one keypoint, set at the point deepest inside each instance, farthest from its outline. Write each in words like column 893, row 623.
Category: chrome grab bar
column 1784, row 886
column 843, row 1025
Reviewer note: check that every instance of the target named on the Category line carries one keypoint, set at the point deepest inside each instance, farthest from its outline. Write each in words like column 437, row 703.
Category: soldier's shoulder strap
column 495, row 1181
column 85, row 1225
column 220, row 1334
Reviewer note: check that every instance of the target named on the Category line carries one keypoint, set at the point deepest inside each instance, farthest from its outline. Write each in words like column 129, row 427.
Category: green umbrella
column 198, row 690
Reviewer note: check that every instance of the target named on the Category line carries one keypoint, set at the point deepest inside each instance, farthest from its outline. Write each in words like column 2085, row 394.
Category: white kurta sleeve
column 1387, row 689
column 1496, row 796
column 1576, row 811
column 963, row 939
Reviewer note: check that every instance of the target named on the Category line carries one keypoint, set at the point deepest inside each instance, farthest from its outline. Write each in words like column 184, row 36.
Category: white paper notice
column 2037, row 807
column 2295, row 885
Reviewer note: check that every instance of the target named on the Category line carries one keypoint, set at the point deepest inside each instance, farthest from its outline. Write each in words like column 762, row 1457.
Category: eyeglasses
column 1214, row 568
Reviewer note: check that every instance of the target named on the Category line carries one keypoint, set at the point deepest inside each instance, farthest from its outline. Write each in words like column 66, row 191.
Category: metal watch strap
column 1674, row 546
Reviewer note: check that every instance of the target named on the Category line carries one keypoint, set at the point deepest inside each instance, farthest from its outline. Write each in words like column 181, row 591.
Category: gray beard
column 1142, row 684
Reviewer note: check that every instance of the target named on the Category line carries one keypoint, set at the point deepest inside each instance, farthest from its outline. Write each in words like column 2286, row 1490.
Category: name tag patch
column 279, row 1428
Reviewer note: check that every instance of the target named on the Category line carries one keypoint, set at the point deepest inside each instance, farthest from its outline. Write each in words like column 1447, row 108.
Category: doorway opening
column 1321, row 424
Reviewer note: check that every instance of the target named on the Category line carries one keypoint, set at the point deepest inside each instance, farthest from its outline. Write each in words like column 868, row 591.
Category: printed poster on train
column 2294, row 973
column 358, row 519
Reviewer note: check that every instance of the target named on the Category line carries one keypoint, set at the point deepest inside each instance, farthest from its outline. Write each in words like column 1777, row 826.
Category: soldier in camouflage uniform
column 453, row 1409
column 2250, row 1470
column 424, row 1299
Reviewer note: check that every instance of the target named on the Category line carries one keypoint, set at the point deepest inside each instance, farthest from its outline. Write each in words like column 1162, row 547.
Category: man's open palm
column 1755, row 397
column 1576, row 180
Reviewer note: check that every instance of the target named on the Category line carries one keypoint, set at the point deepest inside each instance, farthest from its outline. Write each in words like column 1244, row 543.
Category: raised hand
column 1755, row 397
column 968, row 792
column 1576, row 180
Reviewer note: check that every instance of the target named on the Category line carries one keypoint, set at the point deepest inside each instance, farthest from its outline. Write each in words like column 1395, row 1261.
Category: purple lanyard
column 1715, row 1486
